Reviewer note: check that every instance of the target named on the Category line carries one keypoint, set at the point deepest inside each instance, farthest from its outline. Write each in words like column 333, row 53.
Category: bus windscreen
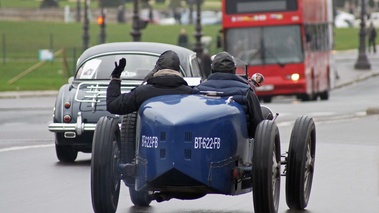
column 266, row 45
column 253, row 6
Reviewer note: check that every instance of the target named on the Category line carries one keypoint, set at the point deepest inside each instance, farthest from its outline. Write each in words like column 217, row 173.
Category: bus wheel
column 307, row 97
column 266, row 99
column 324, row 95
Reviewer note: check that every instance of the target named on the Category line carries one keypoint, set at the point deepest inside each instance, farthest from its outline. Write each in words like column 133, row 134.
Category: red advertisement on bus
column 288, row 41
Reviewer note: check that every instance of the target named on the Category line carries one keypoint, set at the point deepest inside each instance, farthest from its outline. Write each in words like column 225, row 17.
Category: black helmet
column 223, row 62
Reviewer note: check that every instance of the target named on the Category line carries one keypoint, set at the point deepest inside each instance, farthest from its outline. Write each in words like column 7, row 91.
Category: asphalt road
column 346, row 173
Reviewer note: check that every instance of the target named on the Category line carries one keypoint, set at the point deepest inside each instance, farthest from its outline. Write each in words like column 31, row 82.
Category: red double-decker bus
column 288, row 41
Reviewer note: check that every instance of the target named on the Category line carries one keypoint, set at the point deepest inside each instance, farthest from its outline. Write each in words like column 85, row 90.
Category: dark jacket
column 163, row 82
column 371, row 33
column 233, row 85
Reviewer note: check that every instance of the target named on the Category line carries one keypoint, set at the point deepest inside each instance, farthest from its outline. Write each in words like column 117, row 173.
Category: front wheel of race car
column 105, row 177
column 266, row 168
column 300, row 163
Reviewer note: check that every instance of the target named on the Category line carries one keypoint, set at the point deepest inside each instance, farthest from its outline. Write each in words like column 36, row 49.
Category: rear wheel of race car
column 300, row 163
column 266, row 168
column 128, row 137
column 139, row 198
column 105, row 176
column 66, row 154
column 128, row 154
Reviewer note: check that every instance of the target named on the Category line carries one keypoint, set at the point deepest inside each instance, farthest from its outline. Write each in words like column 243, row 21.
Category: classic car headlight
column 67, row 118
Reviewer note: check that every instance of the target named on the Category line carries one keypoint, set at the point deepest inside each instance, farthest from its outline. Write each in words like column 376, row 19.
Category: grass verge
column 21, row 42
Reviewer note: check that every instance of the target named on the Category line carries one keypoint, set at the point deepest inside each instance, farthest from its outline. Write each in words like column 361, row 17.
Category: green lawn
column 21, row 42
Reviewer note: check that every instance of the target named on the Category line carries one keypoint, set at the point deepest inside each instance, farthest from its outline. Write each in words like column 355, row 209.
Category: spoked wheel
column 105, row 176
column 300, row 163
column 266, row 168
column 128, row 154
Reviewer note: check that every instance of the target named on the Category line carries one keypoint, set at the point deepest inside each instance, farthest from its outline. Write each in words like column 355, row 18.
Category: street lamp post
column 78, row 10
column 136, row 33
column 362, row 62
column 198, row 34
column 86, row 25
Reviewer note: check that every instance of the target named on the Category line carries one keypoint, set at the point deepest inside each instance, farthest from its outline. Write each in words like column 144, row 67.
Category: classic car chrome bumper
column 72, row 129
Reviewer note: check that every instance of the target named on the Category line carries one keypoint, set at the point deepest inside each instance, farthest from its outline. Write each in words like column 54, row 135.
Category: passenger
column 223, row 79
column 164, row 79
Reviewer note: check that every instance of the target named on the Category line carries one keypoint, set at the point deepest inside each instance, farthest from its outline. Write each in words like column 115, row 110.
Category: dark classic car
column 81, row 102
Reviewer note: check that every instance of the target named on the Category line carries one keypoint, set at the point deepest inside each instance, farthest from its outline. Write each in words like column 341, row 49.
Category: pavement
column 345, row 74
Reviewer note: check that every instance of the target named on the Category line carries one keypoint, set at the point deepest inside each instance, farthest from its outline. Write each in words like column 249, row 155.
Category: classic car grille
column 90, row 92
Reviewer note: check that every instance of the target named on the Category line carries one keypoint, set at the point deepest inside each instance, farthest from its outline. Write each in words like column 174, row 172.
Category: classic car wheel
column 266, row 168
column 300, row 163
column 128, row 153
column 66, row 154
column 105, row 176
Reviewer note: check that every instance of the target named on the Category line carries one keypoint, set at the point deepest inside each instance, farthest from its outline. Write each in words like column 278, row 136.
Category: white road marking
column 16, row 148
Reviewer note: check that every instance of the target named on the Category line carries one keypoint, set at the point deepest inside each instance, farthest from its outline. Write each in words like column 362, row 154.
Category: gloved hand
column 118, row 68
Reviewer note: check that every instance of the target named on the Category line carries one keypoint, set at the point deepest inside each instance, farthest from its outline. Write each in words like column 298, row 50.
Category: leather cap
column 223, row 62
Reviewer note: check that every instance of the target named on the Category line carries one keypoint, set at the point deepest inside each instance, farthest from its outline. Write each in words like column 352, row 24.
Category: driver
column 223, row 79
column 164, row 79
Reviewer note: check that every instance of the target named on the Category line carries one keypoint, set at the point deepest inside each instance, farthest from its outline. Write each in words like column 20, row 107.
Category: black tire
column 128, row 154
column 324, row 95
column 266, row 168
column 65, row 153
column 266, row 99
column 300, row 163
column 128, row 137
column 105, row 176
column 307, row 97
column 139, row 198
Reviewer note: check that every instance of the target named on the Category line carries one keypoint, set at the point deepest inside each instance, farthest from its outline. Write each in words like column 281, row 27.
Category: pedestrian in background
column 183, row 38
column 371, row 38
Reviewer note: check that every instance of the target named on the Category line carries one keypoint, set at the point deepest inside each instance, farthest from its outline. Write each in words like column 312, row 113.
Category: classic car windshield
column 137, row 66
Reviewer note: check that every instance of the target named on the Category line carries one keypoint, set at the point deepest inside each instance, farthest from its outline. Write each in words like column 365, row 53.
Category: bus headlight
column 295, row 77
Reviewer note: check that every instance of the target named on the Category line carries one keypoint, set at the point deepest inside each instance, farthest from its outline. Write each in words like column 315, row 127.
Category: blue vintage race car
column 188, row 146
column 81, row 102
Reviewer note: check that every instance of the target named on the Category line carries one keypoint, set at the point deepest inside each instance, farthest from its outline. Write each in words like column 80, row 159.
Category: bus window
column 266, row 45
column 253, row 6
